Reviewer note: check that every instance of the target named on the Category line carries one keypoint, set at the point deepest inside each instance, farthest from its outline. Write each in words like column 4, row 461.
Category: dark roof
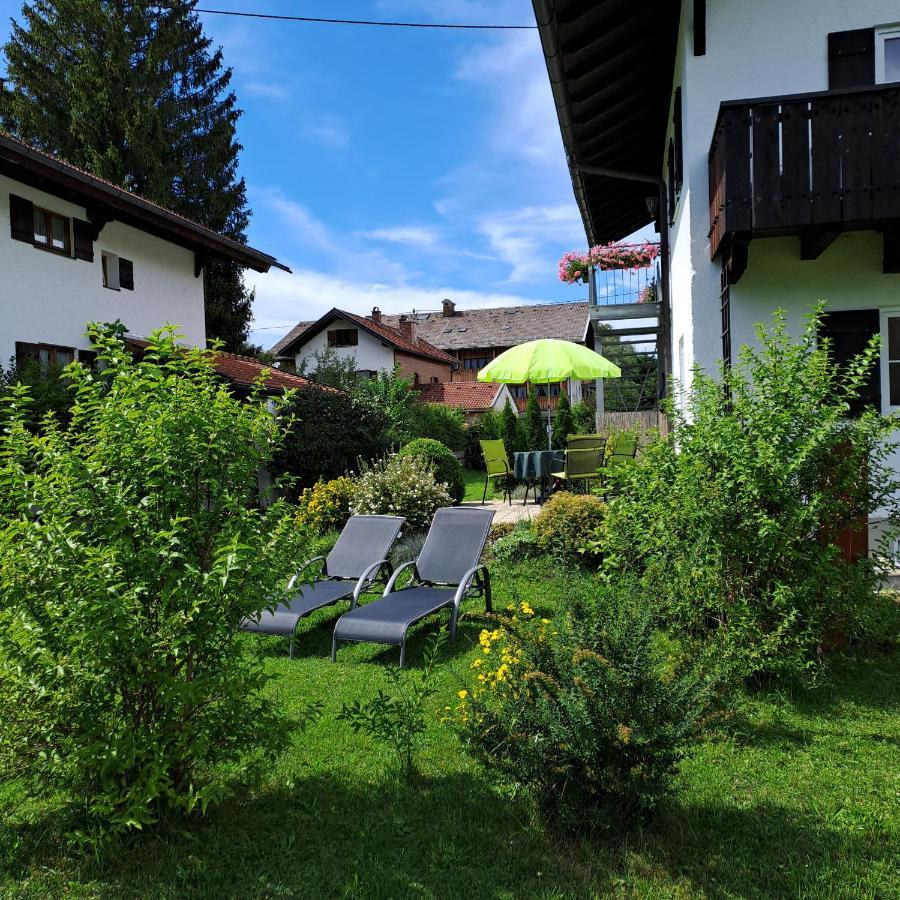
column 392, row 336
column 503, row 326
column 611, row 64
column 289, row 338
column 110, row 202
column 472, row 396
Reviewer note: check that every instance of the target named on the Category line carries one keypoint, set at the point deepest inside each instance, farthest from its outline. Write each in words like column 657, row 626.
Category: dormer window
column 887, row 55
column 51, row 231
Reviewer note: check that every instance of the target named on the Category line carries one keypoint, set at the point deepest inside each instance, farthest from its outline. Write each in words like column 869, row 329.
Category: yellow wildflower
column 462, row 695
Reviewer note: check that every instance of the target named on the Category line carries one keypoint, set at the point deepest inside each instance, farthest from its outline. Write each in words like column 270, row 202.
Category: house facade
column 763, row 139
column 476, row 336
column 76, row 249
column 374, row 345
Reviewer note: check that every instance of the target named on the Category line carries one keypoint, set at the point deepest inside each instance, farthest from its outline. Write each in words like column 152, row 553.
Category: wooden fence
column 642, row 422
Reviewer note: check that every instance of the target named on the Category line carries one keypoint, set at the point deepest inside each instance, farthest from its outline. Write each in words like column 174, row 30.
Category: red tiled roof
column 473, row 396
column 242, row 370
column 56, row 169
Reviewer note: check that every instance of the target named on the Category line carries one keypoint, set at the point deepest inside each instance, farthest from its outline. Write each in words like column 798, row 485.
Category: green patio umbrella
column 547, row 361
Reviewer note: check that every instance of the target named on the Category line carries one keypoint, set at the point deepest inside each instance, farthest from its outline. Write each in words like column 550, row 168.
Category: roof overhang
column 611, row 64
column 106, row 202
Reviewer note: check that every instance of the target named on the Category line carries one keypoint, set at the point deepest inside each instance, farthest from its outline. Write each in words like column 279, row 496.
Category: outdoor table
column 535, row 466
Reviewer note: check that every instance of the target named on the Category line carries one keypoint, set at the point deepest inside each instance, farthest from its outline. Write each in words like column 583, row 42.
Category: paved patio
column 503, row 512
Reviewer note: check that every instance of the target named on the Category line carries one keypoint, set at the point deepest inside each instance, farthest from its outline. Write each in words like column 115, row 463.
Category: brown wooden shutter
column 126, row 274
column 851, row 58
column 670, row 177
column 21, row 218
column 25, row 353
column 84, row 239
column 678, row 137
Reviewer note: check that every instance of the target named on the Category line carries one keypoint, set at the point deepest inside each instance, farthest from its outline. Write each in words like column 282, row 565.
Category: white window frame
column 885, row 33
column 886, row 407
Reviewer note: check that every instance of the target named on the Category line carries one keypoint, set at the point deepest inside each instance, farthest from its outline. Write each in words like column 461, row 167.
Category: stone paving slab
column 503, row 512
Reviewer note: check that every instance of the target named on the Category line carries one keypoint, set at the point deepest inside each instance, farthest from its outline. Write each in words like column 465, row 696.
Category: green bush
column 399, row 486
column 535, row 424
column 569, row 525
column 130, row 549
column 732, row 520
column 48, row 390
column 441, row 462
column 518, row 543
column 440, row 423
column 591, row 712
column 511, row 430
column 392, row 397
column 485, row 428
column 562, row 423
column 584, row 417
column 330, row 433
column 326, row 505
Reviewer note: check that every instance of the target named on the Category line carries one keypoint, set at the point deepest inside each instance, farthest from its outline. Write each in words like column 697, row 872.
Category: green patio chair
column 586, row 441
column 496, row 465
column 582, row 465
column 622, row 451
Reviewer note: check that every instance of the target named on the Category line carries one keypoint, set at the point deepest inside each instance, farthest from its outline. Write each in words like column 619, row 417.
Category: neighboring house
column 75, row 248
column 375, row 346
column 472, row 397
column 764, row 140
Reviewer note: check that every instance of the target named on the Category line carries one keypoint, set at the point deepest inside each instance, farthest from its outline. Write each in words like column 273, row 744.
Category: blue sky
column 395, row 166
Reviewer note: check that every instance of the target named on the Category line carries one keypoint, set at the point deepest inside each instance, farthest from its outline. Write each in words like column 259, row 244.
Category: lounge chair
column 496, row 465
column 352, row 567
column 447, row 571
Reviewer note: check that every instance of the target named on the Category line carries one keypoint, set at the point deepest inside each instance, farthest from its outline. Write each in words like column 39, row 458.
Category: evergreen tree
column 510, row 429
column 135, row 94
column 562, row 423
column 535, row 427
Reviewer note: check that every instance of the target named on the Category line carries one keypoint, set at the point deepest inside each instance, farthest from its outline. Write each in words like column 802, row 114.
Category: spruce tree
column 135, row 94
column 562, row 423
column 535, row 429
column 510, row 429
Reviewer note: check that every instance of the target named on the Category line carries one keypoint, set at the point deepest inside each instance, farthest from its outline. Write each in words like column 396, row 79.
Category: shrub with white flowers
column 400, row 486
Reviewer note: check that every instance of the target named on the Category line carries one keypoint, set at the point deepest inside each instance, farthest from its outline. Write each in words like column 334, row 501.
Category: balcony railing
column 808, row 164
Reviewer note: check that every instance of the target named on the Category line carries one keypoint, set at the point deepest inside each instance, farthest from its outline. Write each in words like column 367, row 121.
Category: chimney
column 376, row 315
column 408, row 329
column 449, row 308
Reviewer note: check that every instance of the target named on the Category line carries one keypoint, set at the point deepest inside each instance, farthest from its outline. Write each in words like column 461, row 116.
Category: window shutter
column 670, row 177
column 25, row 353
column 851, row 58
column 126, row 274
column 850, row 333
column 679, row 142
column 21, row 219
column 84, row 240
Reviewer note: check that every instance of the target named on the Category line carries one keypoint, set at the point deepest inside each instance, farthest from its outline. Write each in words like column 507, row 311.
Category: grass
column 475, row 484
column 799, row 796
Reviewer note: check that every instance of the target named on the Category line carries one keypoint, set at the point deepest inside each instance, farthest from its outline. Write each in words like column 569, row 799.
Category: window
column 110, row 263
column 849, row 333
column 47, row 355
column 343, row 337
column 725, row 311
column 475, row 362
column 51, row 231
column 890, row 353
column 887, row 55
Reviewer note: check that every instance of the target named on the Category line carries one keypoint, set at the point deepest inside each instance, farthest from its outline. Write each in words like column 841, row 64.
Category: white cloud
column 265, row 89
column 328, row 130
column 408, row 235
column 306, row 230
column 526, row 238
column 284, row 299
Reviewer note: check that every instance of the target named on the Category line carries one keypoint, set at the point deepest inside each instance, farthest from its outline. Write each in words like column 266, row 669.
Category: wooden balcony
column 812, row 165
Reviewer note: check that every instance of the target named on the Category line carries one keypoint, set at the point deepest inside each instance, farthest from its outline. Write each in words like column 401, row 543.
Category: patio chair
column 582, row 464
column 447, row 571
column 586, row 441
column 622, row 451
column 496, row 465
column 352, row 567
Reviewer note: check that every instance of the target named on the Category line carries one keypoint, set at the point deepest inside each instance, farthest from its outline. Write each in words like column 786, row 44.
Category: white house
column 763, row 139
column 75, row 248
column 374, row 345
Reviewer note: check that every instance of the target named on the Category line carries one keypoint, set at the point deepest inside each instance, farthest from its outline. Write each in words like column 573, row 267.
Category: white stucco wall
column 756, row 49
column 48, row 298
column 371, row 354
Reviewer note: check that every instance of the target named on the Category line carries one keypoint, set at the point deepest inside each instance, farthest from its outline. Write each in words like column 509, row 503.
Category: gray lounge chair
column 447, row 571
column 352, row 567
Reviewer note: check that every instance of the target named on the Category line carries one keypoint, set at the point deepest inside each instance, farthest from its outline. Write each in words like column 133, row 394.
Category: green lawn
column 797, row 796
column 475, row 484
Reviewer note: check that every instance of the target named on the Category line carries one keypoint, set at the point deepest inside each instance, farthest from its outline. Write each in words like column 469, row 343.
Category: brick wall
column 426, row 369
